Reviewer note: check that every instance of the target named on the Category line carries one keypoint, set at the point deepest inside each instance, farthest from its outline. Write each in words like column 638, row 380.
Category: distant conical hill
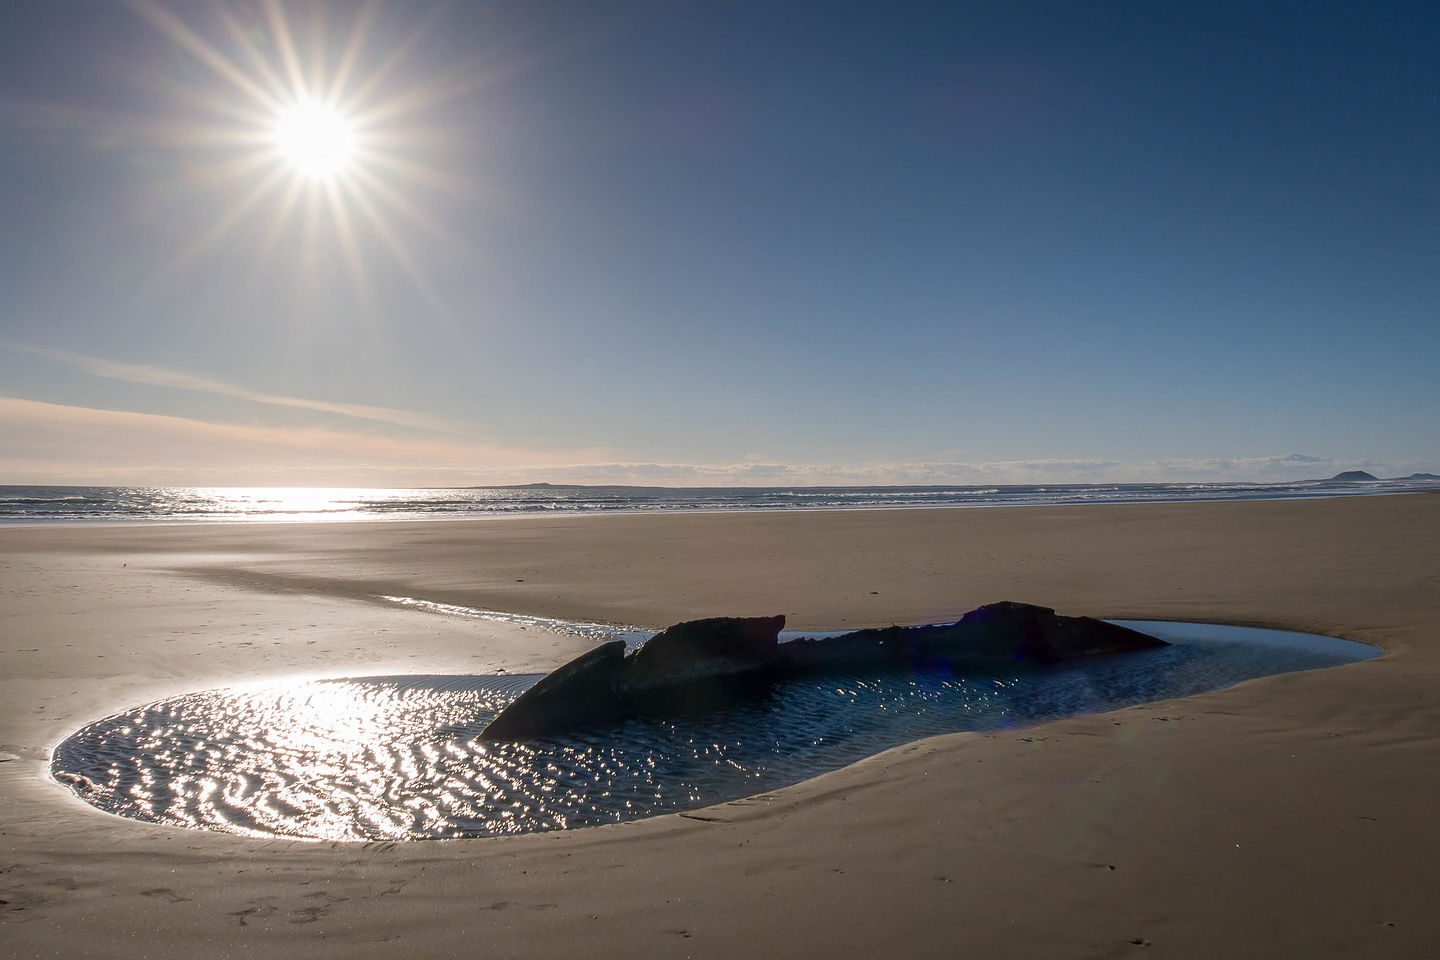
column 1350, row 476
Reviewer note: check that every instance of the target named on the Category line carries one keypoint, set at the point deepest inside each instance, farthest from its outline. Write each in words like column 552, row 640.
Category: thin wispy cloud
column 177, row 380
column 57, row 443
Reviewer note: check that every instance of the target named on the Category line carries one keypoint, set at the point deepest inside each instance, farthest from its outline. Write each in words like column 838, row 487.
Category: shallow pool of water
column 398, row 758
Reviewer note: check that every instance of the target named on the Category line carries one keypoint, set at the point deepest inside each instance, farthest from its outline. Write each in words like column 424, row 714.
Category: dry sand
column 1290, row 816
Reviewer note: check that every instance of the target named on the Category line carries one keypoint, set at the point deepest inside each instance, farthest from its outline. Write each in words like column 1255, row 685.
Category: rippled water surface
column 400, row 757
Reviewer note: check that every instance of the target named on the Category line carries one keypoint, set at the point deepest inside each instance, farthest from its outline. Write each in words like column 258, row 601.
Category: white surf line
column 599, row 632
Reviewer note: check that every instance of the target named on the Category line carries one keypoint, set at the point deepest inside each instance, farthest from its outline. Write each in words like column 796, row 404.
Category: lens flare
column 313, row 124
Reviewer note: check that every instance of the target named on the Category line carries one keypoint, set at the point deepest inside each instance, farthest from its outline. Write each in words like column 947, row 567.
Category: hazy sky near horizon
column 723, row 242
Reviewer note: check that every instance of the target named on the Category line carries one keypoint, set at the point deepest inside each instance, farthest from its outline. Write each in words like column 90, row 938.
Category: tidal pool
column 399, row 758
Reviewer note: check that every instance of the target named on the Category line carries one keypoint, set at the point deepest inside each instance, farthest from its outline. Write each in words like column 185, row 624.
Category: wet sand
column 1289, row 816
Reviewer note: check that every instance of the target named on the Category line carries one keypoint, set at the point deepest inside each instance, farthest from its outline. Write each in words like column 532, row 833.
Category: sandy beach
column 1289, row 816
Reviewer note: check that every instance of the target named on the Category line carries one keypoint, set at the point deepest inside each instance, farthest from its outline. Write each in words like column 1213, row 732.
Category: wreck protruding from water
column 705, row 662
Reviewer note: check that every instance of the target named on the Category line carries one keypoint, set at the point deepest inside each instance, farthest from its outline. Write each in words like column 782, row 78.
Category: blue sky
column 720, row 242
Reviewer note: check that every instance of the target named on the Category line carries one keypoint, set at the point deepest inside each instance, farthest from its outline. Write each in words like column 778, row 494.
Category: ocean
column 42, row 504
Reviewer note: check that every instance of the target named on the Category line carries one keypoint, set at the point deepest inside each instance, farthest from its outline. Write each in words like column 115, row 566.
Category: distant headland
column 1360, row 476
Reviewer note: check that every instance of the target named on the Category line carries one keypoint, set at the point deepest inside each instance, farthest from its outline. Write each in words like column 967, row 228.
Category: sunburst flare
column 287, row 136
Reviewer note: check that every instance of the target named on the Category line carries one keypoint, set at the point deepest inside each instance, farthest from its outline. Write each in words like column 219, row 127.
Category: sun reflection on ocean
column 286, row 503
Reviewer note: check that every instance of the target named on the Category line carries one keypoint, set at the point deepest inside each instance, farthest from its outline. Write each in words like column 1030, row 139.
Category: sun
column 315, row 139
